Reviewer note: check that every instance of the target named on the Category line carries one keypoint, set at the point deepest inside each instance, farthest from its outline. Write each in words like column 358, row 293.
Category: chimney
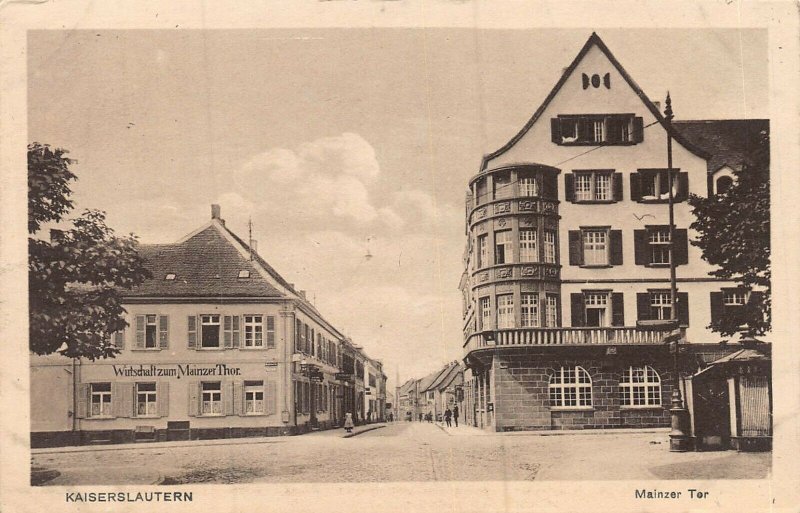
column 302, row 293
column 254, row 246
column 216, row 213
column 658, row 106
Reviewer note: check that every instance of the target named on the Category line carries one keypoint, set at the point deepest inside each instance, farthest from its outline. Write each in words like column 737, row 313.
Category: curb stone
column 351, row 435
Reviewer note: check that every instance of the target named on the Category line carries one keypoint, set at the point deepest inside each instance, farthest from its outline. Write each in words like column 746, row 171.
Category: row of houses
column 431, row 395
column 218, row 345
column 566, row 282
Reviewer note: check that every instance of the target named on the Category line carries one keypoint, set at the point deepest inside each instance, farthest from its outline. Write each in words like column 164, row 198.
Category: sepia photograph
column 399, row 254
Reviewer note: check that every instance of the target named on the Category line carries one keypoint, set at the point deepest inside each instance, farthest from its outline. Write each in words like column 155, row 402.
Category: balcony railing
column 622, row 335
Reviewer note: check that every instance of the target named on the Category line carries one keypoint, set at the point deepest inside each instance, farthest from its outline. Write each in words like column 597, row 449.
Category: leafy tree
column 76, row 277
column 734, row 230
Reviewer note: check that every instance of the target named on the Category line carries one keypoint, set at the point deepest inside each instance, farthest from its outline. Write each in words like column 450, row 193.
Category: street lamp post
column 678, row 436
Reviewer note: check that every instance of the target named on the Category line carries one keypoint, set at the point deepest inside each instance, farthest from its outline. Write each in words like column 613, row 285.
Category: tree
column 76, row 277
column 734, row 230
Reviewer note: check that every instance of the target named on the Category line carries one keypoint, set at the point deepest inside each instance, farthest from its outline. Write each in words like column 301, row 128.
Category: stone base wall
column 521, row 391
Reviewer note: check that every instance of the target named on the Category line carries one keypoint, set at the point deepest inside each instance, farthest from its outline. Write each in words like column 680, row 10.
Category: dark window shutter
column 616, row 247
column 640, row 246
column 617, row 309
column 756, row 299
column 683, row 308
column 578, row 311
column 163, row 331
column 575, row 248
column 636, row 187
column 717, row 308
column 643, row 306
column 558, row 310
column 682, row 193
column 638, row 129
column 569, row 187
column 550, row 186
column 616, row 179
column 555, row 129
column 192, row 331
column 680, row 248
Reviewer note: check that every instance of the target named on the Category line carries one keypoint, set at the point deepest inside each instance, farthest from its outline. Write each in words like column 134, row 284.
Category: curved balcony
column 520, row 337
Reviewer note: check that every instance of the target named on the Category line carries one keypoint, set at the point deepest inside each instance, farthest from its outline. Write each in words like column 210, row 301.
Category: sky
column 350, row 149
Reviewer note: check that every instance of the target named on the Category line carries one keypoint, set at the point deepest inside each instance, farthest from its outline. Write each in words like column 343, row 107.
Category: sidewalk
column 463, row 430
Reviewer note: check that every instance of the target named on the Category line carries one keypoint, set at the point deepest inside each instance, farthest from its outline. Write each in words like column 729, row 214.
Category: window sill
column 211, row 415
column 212, row 348
column 145, row 349
column 596, row 266
column 659, row 201
column 641, row 407
column 147, row 417
column 253, row 414
column 101, row 417
column 572, row 408
column 658, row 266
column 256, row 348
column 594, row 202
column 593, row 143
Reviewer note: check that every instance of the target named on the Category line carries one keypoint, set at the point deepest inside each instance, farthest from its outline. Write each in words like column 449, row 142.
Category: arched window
column 570, row 387
column 640, row 386
column 723, row 184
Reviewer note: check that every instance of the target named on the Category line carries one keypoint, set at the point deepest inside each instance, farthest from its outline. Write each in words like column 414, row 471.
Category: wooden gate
column 754, row 396
column 712, row 422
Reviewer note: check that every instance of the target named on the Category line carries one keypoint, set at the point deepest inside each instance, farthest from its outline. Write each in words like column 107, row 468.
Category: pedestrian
column 447, row 416
column 348, row 422
column 455, row 414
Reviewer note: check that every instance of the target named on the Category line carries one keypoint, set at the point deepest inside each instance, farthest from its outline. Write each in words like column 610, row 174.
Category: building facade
column 566, row 284
column 218, row 345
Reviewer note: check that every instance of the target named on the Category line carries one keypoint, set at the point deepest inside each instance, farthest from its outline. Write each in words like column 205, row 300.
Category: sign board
column 343, row 376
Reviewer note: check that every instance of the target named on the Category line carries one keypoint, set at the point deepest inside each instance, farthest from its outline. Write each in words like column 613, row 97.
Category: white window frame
column 151, row 326
column 502, row 186
column 148, row 398
column 599, row 301
column 104, row 399
column 570, row 388
column 208, row 320
column 551, row 311
column 529, row 186
column 503, row 242
column 505, row 311
column 253, row 331
column 640, row 387
column 592, row 186
column 660, row 305
column 252, row 404
column 528, row 245
column 658, row 244
column 483, row 251
column 549, row 241
column 211, row 399
column 529, row 309
column 655, row 178
column 595, row 243
column 734, row 297
column 485, row 304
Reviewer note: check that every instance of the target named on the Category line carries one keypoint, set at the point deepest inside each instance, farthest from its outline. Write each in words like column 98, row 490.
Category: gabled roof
column 730, row 142
column 426, row 382
column 406, row 387
column 446, row 376
column 594, row 40
column 205, row 264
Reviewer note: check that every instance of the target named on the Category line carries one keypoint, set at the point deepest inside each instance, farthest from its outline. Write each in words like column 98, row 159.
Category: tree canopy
column 76, row 276
column 734, row 235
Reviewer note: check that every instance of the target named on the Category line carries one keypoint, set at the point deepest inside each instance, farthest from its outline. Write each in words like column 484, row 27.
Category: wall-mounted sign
column 175, row 371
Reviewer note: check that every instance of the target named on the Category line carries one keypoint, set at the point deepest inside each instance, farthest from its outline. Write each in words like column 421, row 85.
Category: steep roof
column 594, row 40
column 205, row 264
column 426, row 382
column 446, row 376
column 730, row 142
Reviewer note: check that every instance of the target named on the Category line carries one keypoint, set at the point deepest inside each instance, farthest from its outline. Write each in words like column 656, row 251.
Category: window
column 530, row 310
column 595, row 247
column 244, row 273
column 570, row 387
column 502, row 185
column 640, row 386
column 502, row 247
column 528, row 250
column 597, row 129
column 270, row 331
column 505, row 311
column 486, row 313
column 550, row 246
column 101, row 400
column 723, row 184
column 253, row 397
column 209, row 325
column 481, row 191
column 169, row 276
column 596, row 305
column 652, row 185
column 658, row 240
column 483, row 251
column 253, row 331
column 528, row 186
column 734, row 297
column 661, row 305
column 591, row 186
column 212, row 398
column 551, row 311
column 146, row 405
column 150, row 332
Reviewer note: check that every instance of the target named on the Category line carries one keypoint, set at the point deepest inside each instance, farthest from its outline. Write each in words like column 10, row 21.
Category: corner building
column 567, row 259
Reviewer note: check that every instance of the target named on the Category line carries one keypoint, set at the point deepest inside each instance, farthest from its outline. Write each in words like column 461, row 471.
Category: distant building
column 566, row 266
column 219, row 345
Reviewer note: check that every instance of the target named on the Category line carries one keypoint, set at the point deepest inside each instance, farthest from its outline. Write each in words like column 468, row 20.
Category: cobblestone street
column 400, row 452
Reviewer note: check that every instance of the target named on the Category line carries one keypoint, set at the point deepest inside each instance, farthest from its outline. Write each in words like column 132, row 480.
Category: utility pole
column 678, row 438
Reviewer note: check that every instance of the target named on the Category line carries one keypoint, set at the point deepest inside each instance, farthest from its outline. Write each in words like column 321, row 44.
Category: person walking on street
column 455, row 414
column 348, row 422
column 447, row 416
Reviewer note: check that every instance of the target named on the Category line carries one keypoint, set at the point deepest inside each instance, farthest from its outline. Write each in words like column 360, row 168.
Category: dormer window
column 244, row 273
column 596, row 129
column 169, row 276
